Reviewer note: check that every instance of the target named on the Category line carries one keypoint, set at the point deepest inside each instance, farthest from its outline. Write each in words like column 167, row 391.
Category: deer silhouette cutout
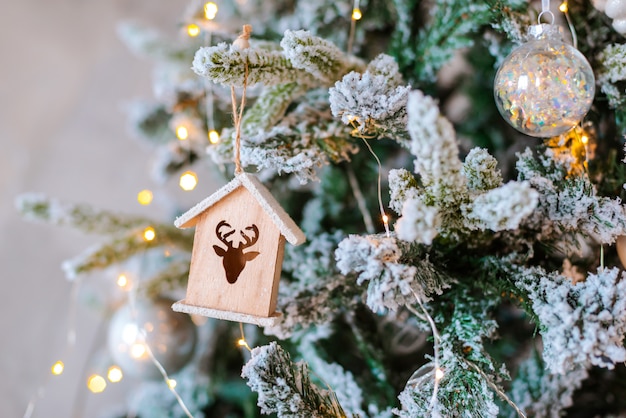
column 234, row 259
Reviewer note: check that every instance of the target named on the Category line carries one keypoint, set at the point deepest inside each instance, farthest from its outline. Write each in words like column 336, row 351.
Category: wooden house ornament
column 237, row 253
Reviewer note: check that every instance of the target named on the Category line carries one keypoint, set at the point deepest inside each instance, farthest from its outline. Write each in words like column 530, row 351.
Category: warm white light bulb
column 137, row 350
column 96, row 383
column 356, row 14
column 214, row 137
column 193, row 30
column 149, row 234
column 188, row 180
column 57, row 368
column 182, row 132
column 144, row 197
column 439, row 374
column 122, row 280
column 114, row 374
column 210, row 10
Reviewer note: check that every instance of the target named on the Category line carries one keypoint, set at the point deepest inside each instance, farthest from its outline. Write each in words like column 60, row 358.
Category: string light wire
column 436, row 341
column 495, row 387
column 381, row 207
column 132, row 301
column 242, row 341
column 70, row 342
column 565, row 10
column 354, row 16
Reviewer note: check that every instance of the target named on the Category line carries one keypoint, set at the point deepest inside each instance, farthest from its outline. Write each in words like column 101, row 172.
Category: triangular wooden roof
column 272, row 208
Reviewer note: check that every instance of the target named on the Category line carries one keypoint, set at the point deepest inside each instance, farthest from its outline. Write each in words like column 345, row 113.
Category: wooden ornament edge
column 270, row 321
column 288, row 228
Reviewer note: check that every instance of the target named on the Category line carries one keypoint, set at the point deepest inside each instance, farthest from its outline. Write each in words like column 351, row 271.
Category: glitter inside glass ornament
column 170, row 336
column 544, row 87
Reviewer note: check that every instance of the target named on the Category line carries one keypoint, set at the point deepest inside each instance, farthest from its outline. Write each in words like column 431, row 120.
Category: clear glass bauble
column 544, row 87
column 171, row 336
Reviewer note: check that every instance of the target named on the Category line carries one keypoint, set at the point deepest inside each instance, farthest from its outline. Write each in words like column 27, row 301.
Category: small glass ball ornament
column 152, row 324
column 544, row 87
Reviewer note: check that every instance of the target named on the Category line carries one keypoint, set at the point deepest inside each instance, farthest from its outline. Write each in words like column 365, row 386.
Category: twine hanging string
column 242, row 43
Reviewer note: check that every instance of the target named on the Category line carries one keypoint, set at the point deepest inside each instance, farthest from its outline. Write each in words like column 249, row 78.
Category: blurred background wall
column 64, row 78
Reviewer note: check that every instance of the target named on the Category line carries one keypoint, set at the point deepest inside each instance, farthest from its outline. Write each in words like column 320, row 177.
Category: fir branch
column 285, row 388
column 450, row 28
column 402, row 187
column 462, row 392
column 225, row 64
column 175, row 157
column 270, row 107
column 37, row 207
column 311, row 346
column 305, row 140
column 173, row 276
column 122, row 247
column 510, row 17
column 315, row 293
column 502, row 208
column 612, row 80
column 317, row 56
column 542, row 394
column 480, row 170
column 469, row 374
column 374, row 101
column 391, row 283
column 582, row 324
column 315, row 305
column 434, row 144
column 568, row 204
column 150, row 43
column 150, row 121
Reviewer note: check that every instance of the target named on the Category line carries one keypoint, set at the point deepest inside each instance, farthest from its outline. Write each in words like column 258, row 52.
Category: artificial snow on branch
column 613, row 74
column 224, row 64
column 317, row 56
column 285, row 388
column 37, row 207
column 568, row 205
column 542, row 394
column 453, row 198
column 122, row 247
column 582, row 324
column 391, row 283
column 374, row 102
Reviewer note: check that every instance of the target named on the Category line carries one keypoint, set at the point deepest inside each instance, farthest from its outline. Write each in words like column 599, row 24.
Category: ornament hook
column 545, row 10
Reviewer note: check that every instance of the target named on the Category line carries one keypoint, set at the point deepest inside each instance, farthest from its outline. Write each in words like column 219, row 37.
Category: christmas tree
column 453, row 265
